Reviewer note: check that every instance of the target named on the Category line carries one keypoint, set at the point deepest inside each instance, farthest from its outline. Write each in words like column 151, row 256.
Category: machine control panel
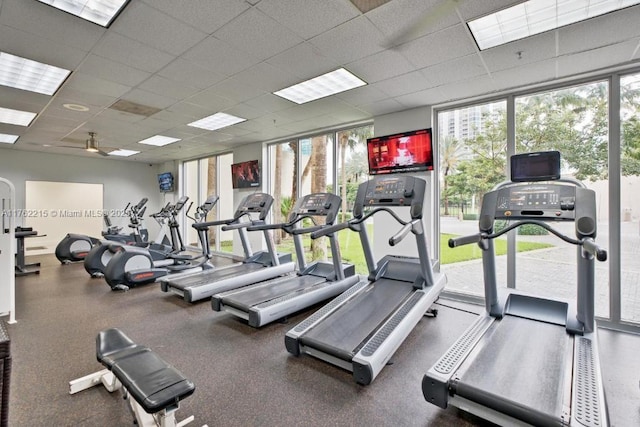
column 257, row 202
column 319, row 204
column 390, row 191
column 536, row 201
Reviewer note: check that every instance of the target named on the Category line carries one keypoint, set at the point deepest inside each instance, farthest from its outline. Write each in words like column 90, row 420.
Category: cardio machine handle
column 465, row 240
column 326, row 230
column 590, row 246
column 397, row 238
column 260, row 227
column 307, row 230
column 239, row 225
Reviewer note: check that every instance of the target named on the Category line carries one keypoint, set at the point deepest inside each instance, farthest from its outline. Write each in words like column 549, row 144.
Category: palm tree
column 450, row 151
column 349, row 139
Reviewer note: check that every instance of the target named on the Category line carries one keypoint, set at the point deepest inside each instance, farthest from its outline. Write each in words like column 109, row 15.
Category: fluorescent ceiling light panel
column 16, row 117
column 331, row 83
column 217, row 121
column 159, row 140
column 25, row 74
column 123, row 153
column 8, row 139
column 537, row 16
column 100, row 12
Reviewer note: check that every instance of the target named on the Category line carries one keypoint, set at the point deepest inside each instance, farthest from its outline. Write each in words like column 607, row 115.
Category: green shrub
column 470, row 217
column 523, row 230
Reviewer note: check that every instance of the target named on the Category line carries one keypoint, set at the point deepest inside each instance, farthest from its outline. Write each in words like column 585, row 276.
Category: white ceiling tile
column 470, row 10
column 350, row 41
column 149, row 26
column 405, row 20
column 266, row 77
column 92, row 100
column 112, row 71
column 421, row 98
column 439, row 47
column 22, row 99
column 465, row 68
column 466, row 89
column 163, row 86
column 94, row 85
column 38, row 48
column 50, row 23
column 305, row 61
column 385, row 106
column 131, row 52
column 380, row 66
column 188, row 72
column 268, row 103
column 362, row 95
column 600, row 31
column 595, row 59
column 236, row 90
column 532, row 49
column 205, row 15
column 532, row 73
column 209, row 100
column 308, row 18
column 115, row 115
column 402, row 85
column 258, row 35
column 220, row 57
column 148, row 98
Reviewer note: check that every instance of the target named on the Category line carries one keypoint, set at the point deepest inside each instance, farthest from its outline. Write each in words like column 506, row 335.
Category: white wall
column 384, row 226
column 123, row 181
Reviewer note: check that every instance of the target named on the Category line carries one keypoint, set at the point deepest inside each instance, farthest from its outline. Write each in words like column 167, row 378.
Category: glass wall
column 308, row 165
column 202, row 178
column 629, row 201
column 473, row 151
column 573, row 121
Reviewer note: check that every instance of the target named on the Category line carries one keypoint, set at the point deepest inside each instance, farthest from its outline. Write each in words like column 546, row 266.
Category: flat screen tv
column 165, row 182
column 245, row 174
column 401, row 152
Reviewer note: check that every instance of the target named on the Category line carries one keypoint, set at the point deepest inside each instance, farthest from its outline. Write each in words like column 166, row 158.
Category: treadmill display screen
column 531, row 167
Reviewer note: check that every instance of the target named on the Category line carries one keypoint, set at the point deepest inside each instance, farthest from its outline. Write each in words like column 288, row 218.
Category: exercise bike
column 99, row 256
column 75, row 247
column 133, row 266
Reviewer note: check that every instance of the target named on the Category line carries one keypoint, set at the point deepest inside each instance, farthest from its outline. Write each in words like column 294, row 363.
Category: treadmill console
column 536, row 201
column 320, row 204
column 399, row 190
column 255, row 203
column 209, row 203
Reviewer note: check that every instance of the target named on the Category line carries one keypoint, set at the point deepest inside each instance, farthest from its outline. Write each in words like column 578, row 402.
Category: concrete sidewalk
column 552, row 272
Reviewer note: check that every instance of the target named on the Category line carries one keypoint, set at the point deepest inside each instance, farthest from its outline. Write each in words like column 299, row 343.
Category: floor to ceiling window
column 630, row 203
column 202, row 178
column 473, row 152
column 307, row 165
column 573, row 121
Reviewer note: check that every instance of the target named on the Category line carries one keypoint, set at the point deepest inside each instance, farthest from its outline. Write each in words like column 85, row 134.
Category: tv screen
column 165, row 182
column 245, row 174
column 401, row 152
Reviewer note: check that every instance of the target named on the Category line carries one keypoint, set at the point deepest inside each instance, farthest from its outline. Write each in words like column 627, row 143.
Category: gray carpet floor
column 243, row 376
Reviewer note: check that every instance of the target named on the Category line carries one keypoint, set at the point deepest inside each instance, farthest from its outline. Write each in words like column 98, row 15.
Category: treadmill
column 363, row 327
column 255, row 267
column 529, row 360
column 274, row 299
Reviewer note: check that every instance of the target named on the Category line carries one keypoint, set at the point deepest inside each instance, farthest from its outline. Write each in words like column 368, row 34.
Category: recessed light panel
column 16, row 117
column 331, row 83
column 8, row 139
column 100, row 12
column 25, row 74
column 123, row 153
column 217, row 121
column 159, row 140
column 537, row 16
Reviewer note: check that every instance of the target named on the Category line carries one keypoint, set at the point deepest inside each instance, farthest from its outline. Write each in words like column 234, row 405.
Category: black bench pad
column 151, row 381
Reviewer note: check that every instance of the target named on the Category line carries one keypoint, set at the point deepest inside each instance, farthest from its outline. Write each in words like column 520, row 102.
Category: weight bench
column 153, row 388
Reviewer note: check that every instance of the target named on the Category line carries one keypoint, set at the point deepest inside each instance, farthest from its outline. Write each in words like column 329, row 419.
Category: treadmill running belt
column 342, row 332
column 251, row 296
column 210, row 276
column 521, row 361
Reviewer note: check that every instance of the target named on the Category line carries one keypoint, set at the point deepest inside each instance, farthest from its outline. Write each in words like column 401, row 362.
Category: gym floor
column 243, row 376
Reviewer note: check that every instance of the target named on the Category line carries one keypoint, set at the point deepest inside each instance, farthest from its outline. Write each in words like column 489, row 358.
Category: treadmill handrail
column 404, row 231
column 280, row 225
column 324, row 231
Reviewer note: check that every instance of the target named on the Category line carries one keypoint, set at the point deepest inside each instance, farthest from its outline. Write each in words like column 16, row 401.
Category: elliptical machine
column 99, row 256
column 133, row 266
column 75, row 247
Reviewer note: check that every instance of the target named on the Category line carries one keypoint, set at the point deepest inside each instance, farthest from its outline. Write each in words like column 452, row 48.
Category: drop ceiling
column 164, row 63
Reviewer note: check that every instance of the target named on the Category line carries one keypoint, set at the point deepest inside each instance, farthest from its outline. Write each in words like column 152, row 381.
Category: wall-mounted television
column 400, row 152
column 165, row 182
column 245, row 174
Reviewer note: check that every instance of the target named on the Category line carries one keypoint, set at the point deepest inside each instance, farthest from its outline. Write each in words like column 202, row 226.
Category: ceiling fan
column 90, row 144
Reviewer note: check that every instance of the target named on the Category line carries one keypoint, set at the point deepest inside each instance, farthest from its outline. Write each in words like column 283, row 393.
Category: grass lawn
column 351, row 249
